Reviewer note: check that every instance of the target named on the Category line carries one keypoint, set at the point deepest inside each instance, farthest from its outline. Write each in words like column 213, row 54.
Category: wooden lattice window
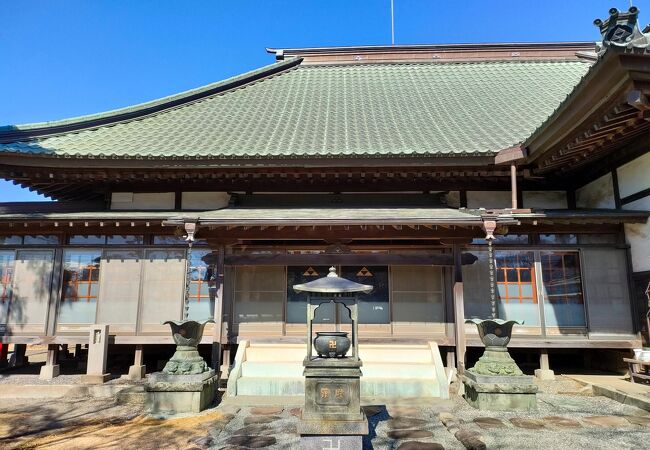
column 561, row 275
column 201, row 277
column 81, row 276
column 515, row 272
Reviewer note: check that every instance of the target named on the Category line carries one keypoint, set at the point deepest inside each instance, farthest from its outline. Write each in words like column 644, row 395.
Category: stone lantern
column 332, row 410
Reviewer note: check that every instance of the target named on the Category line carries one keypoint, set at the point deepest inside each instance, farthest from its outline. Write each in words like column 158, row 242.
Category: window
column 124, row 239
column 563, row 302
column 417, row 294
column 162, row 288
column 176, row 240
column 80, row 286
column 516, row 290
column 297, row 301
column 259, row 294
column 32, row 279
column 84, row 239
column 117, row 239
column 373, row 307
column 515, row 273
column 558, row 239
column 203, row 288
column 11, row 240
column 508, row 239
column 6, row 277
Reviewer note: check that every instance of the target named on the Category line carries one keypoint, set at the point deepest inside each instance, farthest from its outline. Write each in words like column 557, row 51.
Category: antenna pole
column 392, row 24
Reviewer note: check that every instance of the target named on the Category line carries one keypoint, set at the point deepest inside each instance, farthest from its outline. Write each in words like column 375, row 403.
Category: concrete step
column 271, row 369
column 367, row 353
column 372, row 370
column 271, row 386
column 398, row 371
column 370, row 387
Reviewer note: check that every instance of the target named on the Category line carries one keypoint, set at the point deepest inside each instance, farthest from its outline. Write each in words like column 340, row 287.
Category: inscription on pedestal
column 330, row 443
column 333, row 394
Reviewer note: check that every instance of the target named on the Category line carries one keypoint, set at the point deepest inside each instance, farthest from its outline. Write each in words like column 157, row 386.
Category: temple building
column 394, row 164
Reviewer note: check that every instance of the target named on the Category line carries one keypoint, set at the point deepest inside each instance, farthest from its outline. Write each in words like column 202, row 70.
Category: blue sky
column 69, row 58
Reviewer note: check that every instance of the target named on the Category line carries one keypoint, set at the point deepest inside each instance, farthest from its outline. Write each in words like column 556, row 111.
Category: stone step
column 369, row 369
column 367, row 353
column 264, row 386
column 370, row 387
column 271, row 369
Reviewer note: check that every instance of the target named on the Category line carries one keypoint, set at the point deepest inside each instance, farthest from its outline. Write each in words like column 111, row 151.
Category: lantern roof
column 333, row 284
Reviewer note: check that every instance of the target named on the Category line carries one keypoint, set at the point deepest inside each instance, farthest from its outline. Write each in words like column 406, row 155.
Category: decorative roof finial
column 621, row 29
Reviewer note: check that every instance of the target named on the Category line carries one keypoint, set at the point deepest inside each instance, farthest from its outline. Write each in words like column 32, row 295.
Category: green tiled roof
column 295, row 110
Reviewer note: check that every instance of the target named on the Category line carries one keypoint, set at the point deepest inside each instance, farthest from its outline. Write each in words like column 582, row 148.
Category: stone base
column 331, row 442
column 49, row 372
column 500, row 393
column 136, row 372
column 95, row 378
column 544, row 374
column 180, row 393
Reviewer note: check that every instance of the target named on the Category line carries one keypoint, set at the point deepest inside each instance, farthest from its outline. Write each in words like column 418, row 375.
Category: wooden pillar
column 459, row 312
column 138, row 370
column 3, row 355
column 51, row 368
column 217, row 312
column 18, row 359
column 513, row 184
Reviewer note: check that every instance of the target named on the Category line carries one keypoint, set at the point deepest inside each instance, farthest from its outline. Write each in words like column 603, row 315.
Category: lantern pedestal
column 496, row 383
column 186, row 384
column 332, row 398
column 180, row 393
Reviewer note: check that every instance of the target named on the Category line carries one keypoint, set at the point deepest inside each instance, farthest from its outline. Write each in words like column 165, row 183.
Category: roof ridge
column 440, row 62
column 21, row 132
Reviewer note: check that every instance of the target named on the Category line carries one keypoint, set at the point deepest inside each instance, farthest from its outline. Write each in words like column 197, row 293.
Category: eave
column 605, row 115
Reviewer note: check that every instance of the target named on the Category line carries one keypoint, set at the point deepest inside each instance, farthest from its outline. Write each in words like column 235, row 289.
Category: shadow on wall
column 15, row 307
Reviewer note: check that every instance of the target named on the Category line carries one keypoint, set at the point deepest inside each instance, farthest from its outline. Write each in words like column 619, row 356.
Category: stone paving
column 567, row 418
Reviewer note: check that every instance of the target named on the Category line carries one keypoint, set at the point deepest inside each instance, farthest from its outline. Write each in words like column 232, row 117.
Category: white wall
column 489, row 199
column 143, row 200
column 597, row 194
column 544, row 199
column 204, row 200
column 638, row 236
column 634, row 176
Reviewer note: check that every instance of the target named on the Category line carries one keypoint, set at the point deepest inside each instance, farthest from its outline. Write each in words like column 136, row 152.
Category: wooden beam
column 282, row 259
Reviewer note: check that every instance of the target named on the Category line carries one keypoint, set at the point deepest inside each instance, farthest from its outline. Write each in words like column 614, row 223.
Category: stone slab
column 331, row 443
column 266, row 410
column 499, row 396
column 416, row 445
column 544, row 374
column 137, row 372
column 526, row 423
column 409, row 434
column 607, row 421
column 95, row 379
column 333, row 427
column 49, row 372
column 489, row 422
column 561, row 422
column 252, row 441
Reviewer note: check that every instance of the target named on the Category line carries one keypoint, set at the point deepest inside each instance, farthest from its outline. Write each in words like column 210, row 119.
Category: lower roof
column 301, row 216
